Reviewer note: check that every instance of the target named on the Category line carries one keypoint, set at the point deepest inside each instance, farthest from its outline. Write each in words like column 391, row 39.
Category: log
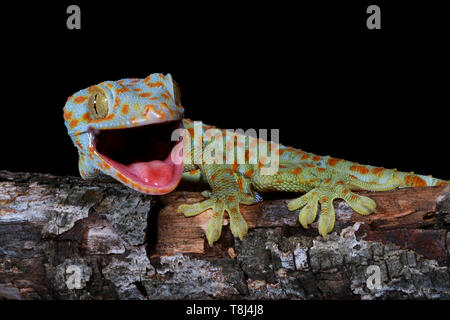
column 66, row 238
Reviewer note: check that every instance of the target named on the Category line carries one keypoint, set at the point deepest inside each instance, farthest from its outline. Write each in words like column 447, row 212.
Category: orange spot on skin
column 73, row 123
column 360, row 169
column 310, row 165
column 354, row 197
column 378, row 171
column 160, row 114
column 321, row 169
column 213, row 177
column 79, row 144
column 234, row 210
column 231, row 198
column 116, row 102
column 304, row 157
column 125, row 109
column 110, row 117
column 106, row 165
column 67, row 115
column 80, row 99
column 137, row 89
column 134, row 121
column 324, row 199
column 345, row 191
column 333, row 161
column 296, row 171
column 147, row 109
column 240, row 184
column 191, row 132
column 194, row 172
column 415, row 181
column 235, row 167
column 316, row 158
column 145, row 94
column 122, row 89
column 122, row 177
column 86, row 117
column 249, row 173
column 155, row 84
column 151, row 107
column 327, row 181
column 263, row 160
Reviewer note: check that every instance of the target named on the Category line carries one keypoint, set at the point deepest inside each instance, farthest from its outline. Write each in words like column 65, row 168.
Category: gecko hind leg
column 325, row 194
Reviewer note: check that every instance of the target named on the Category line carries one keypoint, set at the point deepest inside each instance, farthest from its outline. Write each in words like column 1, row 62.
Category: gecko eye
column 177, row 92
column 98, row 103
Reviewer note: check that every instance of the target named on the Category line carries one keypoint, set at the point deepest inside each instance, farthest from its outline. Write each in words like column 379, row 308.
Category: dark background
column 312, row 70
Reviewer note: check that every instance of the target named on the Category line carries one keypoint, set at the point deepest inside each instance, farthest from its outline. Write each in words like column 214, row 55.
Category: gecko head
column 124, row 129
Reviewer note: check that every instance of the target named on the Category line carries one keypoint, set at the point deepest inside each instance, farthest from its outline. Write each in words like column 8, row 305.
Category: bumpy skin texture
column 138, row 102
column 132, row 103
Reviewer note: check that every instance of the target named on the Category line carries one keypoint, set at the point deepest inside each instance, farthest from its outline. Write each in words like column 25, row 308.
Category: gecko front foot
column 219, row 204
column 325, row 196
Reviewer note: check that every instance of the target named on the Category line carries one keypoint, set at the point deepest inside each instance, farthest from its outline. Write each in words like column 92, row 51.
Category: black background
column 312, row 70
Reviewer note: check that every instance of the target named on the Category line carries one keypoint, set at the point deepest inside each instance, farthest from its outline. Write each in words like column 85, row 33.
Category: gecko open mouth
column 146, row 155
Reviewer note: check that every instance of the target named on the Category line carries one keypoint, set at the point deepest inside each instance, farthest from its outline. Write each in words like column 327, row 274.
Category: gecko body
column 125, row 129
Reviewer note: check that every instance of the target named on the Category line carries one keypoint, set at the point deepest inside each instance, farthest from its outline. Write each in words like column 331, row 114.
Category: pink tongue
column 154, row 172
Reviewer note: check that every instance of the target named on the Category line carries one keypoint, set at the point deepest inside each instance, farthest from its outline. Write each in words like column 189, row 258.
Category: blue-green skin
column 322, row 178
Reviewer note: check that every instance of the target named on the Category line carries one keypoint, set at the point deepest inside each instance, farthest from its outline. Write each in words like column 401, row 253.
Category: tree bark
column 66, row 238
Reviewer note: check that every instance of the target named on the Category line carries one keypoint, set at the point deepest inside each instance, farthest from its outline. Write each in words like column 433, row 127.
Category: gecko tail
column 399, row 179
column 416, row 180
column 382, row 179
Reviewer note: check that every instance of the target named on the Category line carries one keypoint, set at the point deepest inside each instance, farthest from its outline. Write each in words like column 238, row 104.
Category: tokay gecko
column 125, row 129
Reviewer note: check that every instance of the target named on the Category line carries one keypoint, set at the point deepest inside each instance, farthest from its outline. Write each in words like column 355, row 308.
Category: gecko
column 124, row 129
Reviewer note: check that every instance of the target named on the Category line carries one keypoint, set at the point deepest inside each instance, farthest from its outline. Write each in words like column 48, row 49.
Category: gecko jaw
column 144, row 158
